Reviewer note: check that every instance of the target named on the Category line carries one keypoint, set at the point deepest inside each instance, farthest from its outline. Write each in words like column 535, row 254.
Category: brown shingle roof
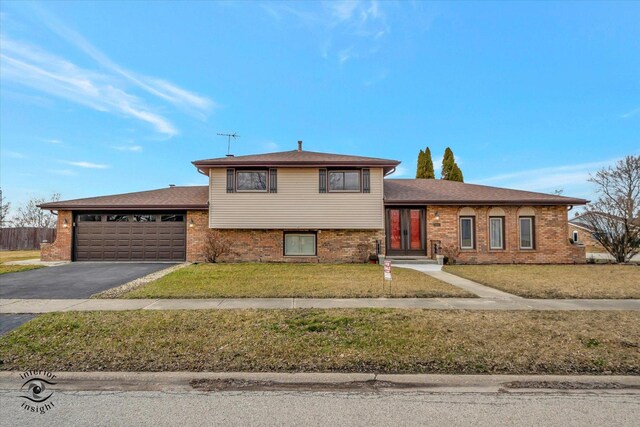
column 297, row 158
column 441, row 192
column 196, row 197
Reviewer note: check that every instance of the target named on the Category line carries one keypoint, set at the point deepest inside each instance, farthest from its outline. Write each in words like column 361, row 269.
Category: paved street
column 326, row 408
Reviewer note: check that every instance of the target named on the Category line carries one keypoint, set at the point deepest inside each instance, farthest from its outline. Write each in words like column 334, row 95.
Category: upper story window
column 251, row 181
column 346, row 181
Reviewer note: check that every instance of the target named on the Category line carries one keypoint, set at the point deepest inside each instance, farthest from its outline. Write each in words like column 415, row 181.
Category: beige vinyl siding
column 297, row 204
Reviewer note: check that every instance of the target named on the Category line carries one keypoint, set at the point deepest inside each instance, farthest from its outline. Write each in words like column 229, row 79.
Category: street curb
column 180, row 381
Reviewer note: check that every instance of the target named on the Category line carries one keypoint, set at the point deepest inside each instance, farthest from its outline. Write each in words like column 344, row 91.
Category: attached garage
column 123, row 236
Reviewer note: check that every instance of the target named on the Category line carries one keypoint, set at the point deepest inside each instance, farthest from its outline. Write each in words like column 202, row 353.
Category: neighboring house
column 316, row 207
column 581, row 232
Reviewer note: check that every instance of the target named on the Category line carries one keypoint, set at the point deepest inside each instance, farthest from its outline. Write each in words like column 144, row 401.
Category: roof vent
column 299, row 146
column 229, row 155
column 171, row 185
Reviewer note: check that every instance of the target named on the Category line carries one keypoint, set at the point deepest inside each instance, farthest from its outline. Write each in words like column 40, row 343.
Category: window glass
column 300, row 244
column 117, row 218
column 144, row 218
column 526, row 233
column 89, row 218
column 251, row 181
column 466, row 233
column 495, row 233
column 172, row 218
column 344, row 181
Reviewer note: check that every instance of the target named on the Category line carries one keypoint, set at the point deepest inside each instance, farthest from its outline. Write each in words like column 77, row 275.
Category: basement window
column 300, row 244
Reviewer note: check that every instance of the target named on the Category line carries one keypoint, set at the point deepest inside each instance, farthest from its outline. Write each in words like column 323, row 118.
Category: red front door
column 405, row 231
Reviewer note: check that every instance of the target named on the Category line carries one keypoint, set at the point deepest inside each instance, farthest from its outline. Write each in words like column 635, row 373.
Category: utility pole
column 229, row 136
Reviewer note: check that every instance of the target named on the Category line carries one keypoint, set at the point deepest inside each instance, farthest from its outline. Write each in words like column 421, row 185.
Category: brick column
column 60, row 250
column 197, row 226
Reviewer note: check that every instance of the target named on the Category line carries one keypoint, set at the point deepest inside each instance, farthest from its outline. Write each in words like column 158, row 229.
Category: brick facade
column 333, row 246
column 552, row 245
column 60, row 250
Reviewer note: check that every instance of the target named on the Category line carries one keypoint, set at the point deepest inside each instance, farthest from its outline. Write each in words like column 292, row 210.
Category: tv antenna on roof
column 229, row 136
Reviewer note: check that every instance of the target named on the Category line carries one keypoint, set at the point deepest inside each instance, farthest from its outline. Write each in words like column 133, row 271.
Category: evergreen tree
column 420, row 170
column 450, row 169
column 430, row 174
column 425, row 165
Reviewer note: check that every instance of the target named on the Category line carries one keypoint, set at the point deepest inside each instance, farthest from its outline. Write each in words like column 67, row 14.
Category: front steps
column 396, row 259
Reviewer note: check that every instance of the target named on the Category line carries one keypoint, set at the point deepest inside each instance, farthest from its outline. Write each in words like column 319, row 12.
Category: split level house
column 303, row 206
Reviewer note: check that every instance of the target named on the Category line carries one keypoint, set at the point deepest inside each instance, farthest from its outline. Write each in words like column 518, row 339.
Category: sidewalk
column 265, row 381
column 20, row 306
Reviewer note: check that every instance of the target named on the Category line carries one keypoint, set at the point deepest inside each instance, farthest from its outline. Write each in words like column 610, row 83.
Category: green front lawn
column 556, row 281
column 293, row 280
column 304, row 340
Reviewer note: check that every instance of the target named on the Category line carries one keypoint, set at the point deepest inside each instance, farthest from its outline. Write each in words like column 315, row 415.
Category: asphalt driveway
column 74, row 280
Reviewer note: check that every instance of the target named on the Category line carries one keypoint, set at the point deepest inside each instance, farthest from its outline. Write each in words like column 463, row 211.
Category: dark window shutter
column 230, row 179
column 366, row 181
column 323, row 180
column 273, row 180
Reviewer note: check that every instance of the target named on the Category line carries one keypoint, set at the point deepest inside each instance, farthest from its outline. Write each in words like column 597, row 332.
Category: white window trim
column 266, row 172
column 491, row 246
column 472, row 219
column 330, row 171
column 315, row 244
column 520, row 219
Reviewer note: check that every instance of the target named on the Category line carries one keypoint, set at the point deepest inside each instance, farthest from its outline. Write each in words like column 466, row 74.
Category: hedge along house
column 303, row 206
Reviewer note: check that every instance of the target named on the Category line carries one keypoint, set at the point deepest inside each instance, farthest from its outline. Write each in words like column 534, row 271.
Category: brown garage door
column 130, row 237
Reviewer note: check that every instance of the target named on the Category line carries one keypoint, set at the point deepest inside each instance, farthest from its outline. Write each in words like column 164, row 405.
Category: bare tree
column 31, row 215
column 215, row 245
column 614, row 217
column 4, row 211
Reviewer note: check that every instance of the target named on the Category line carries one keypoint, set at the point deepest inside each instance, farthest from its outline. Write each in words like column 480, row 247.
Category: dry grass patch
column 556, row 281
column 365, row 340
column 294, row 280
column 6, row 256
column 4, row 269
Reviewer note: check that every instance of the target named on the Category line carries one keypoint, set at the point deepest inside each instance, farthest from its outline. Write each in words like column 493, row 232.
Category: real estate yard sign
column 387, row 270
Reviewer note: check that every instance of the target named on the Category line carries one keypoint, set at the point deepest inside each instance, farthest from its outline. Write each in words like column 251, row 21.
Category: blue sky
column 108, row 97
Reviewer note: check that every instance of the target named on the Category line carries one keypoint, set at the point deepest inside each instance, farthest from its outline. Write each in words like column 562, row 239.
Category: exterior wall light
column 191, row 224
column 437, row 215
column 65, row 223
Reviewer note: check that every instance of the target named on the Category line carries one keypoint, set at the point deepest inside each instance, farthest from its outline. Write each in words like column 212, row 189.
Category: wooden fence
column 25, row 238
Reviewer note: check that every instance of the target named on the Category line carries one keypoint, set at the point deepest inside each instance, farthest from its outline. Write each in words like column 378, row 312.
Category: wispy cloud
column 132, row 148
column 631, row 113
column 346, row 29
column 13, row 154
column 62, row 172
column 53, row 141
column 113, row 89
column 30, row 66
column 550, row 178
column 87, row 165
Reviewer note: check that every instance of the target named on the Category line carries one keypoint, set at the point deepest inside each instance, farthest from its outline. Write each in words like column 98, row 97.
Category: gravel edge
column 119, row 291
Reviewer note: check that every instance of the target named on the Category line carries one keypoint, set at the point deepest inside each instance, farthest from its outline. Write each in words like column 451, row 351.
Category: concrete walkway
column 482, row 291
column 20, row 306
